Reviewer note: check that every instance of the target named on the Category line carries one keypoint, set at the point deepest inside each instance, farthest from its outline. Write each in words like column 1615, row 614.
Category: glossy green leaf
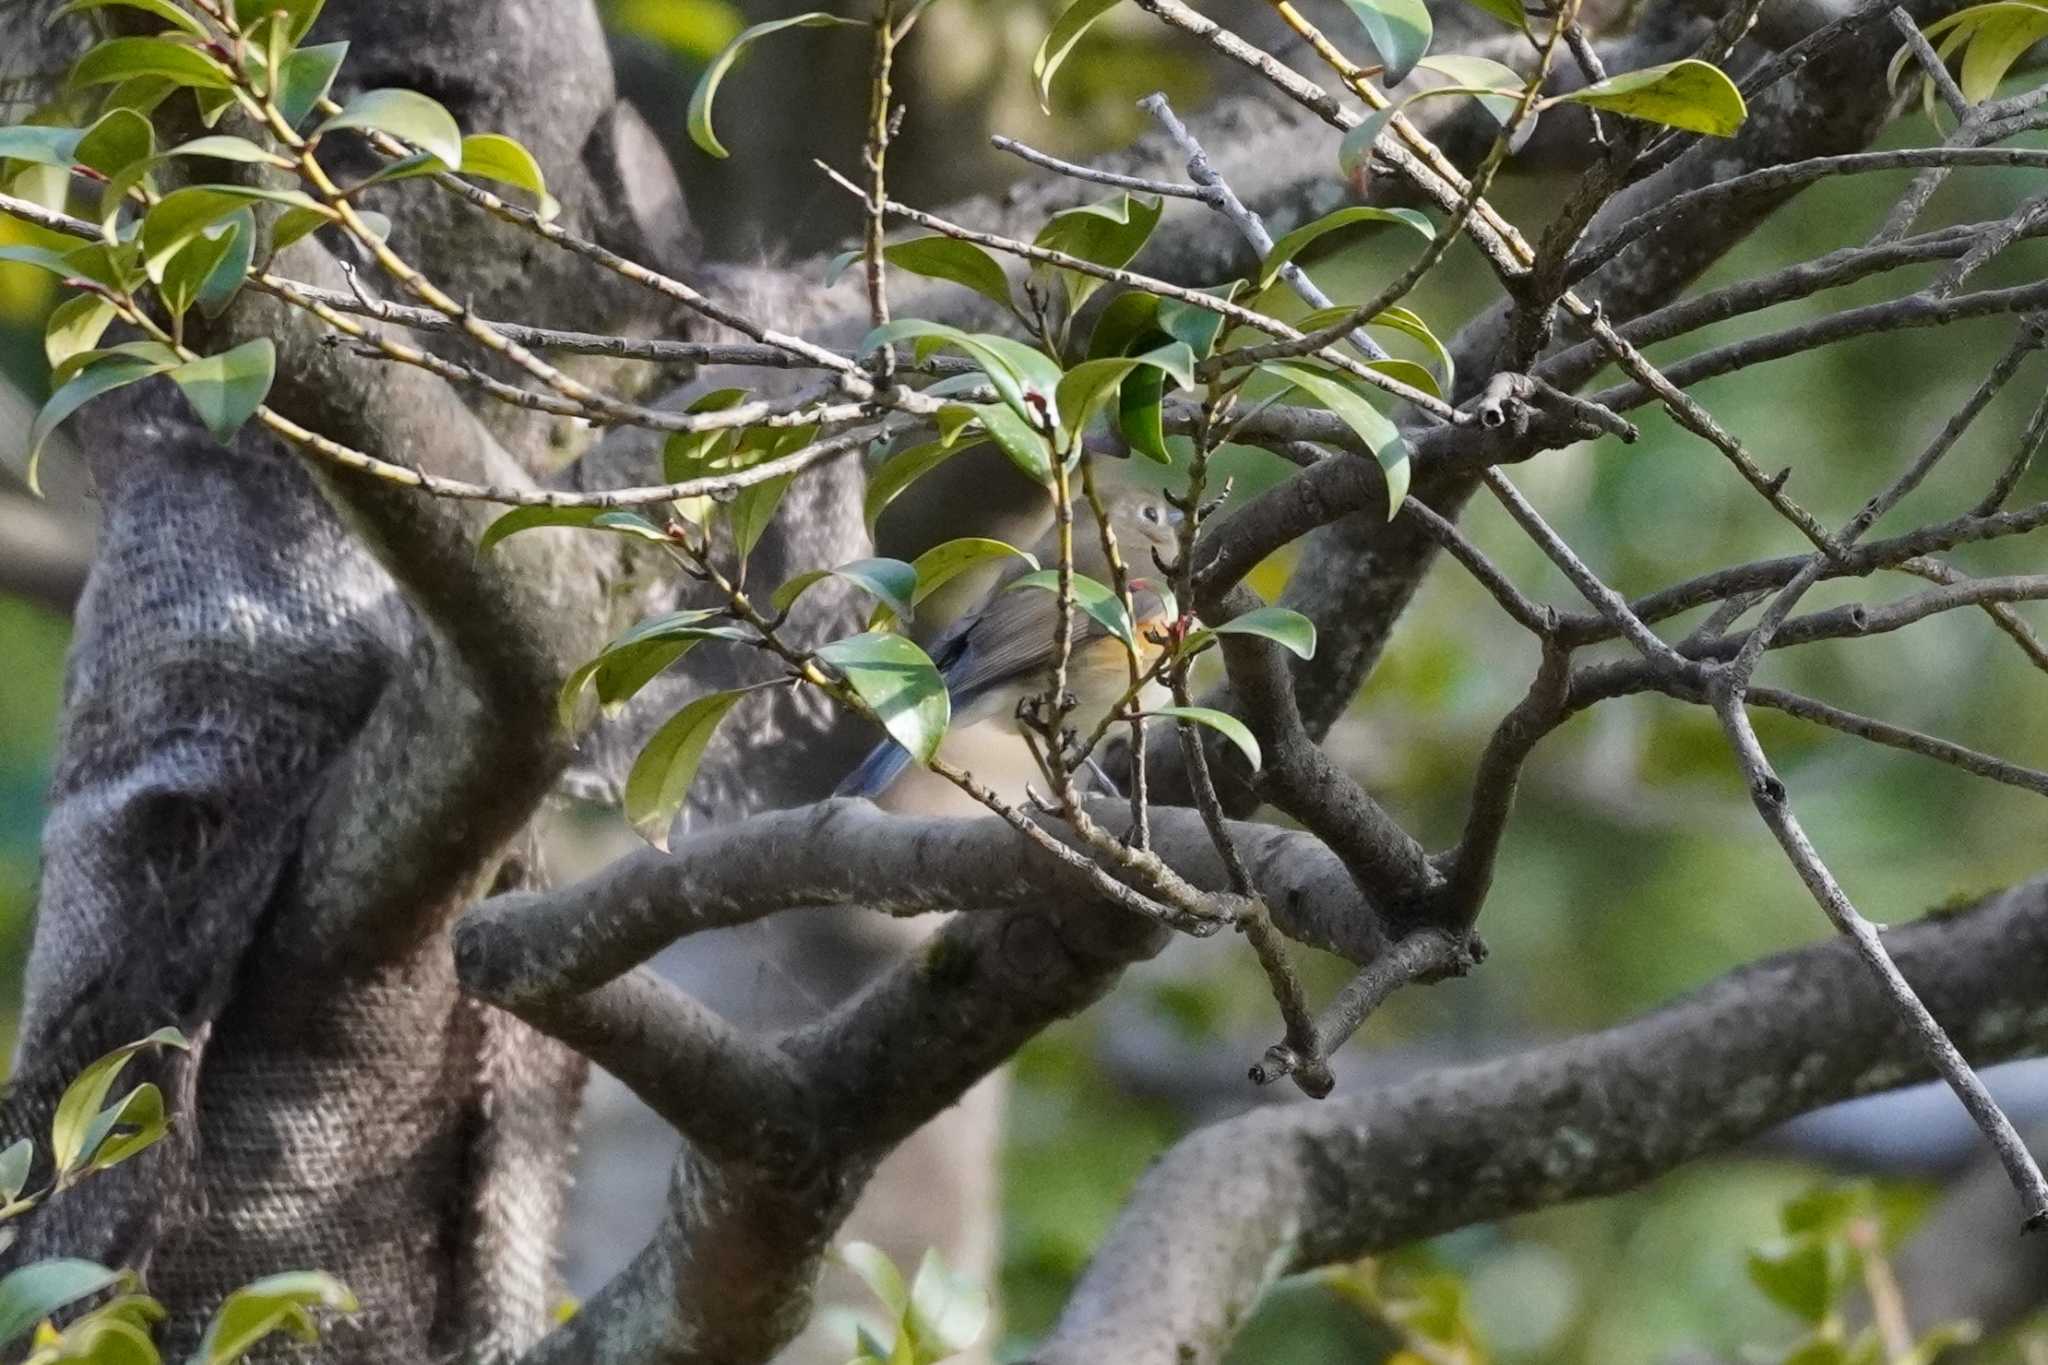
column 40, row 145
column 404, row 114
column 899, row 684
column 493, row 156
column 189, row 272
column 226, row 389
column 222, row 147
column 1991, row 37
column 1030, row 451
column 1085, row 389
column 948, row 258
column 1127, row 323
column 901, row 470
column 1282, row 625
column 1095, row 598
column 75, row 326
column 531, row 518
column 150, row 352
column 1067, row 31
column 752, row 510
column 640, row 654
column 944, row 562
column 1141, row 414
column 42, row 1288
column 182, row 214
column 1223, row 723
column 42, row 257
column 172, row 13
column 660, row 777
column 1690, row 94
column 74, row 394
column 1399, row 30
column 120, row 59
column 1498, row 87
column 305, row 78
column 100, row 1340
column 79, row 1107
column 1380, row 435
column 1404, row 321
column 117, row 140
column 1017, row 373
column 1110, row 233
column 889, row 581
column 293, row 224
column 1295, row 242
column 1408, row 372
column 276, row 1303
column 132, row 1124
column 219, row 288
column 698, row 117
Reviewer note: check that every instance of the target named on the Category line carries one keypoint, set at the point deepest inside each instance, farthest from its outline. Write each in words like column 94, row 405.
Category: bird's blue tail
column 880, row 768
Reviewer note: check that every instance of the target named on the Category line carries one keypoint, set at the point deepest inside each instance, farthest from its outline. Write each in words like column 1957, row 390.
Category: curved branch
column 1288, row 1189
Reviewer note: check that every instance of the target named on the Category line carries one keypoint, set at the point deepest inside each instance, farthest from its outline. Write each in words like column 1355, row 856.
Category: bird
column 1002, row 652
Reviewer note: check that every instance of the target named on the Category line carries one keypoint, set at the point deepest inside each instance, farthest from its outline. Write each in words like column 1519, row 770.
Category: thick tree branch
column 1291, row 1188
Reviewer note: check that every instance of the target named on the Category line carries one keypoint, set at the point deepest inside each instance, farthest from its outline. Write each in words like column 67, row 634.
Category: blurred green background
column 1635, row 869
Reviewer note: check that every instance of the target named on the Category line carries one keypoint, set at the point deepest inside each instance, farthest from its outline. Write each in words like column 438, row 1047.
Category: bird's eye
column 1151, row 513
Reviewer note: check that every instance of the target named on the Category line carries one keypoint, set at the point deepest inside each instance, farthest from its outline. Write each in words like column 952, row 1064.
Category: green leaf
column 293, row 224
column 75, row 326
column 1282, row 625
column 640, row 654
column 1399, row 31
column 946, row 1314
column 949, row 258
column 404, row 114
column 305, row 78
column 901, row 470
column 132, row 1124
column 117, row 140
column 79, row 1107
column 1290, row 246
column 1803, row 1275
column 1126, row 322
column 188, row 272
column 15, row 1164
column 879, row 1274
column 298, row 14
column 182, row 214
column 529, row 518
column 1141, row 416
column 276, row 1303
column 1097, row 599
column 753, row 510
column 39, row 145
column 1027, row 449
column 1509, row 12
column 661, row 776
column 1084, row 389
column 226, row 389
column 222, row 147
column 889, row 581
column 945, row 562
column 1223, row 723
column 493, row 156
column 171, row 13
column 1380, row 435
column 1408, row 372
column 1694, row 95
column 1067, row 30
column 1498, row 87
column 1829, row 1209
column 120, row 59
column 698, row 117
column 219, row 288
column 96, row 1339
column 1400, row 320
column 37, row 1290
column 1018, row 374
column 1200, row 328
column 1110, row 233
column 899, row 684
column 74, row 394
